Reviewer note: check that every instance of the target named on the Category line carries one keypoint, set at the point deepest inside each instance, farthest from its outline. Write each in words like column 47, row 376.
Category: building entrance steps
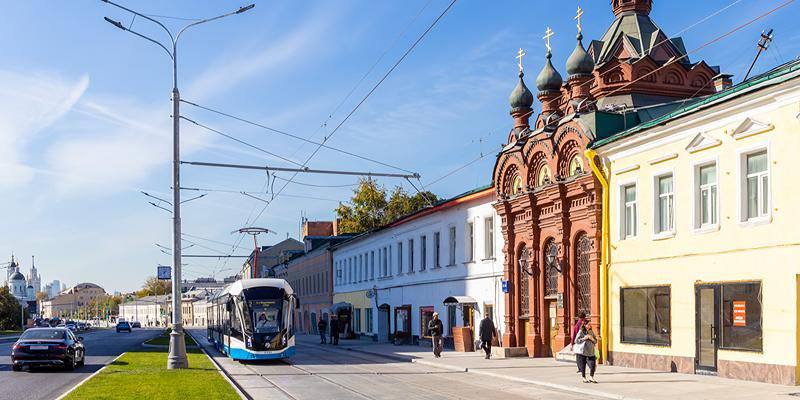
column 614, row 382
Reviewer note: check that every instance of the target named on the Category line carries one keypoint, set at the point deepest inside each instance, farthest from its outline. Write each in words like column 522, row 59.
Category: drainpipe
column 604, row 255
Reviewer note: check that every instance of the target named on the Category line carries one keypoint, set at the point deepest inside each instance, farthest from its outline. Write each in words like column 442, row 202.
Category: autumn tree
column 372, row 206
column 9, row 310
column 154, row 286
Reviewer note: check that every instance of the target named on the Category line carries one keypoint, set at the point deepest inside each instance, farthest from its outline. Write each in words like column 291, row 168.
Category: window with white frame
column 410, row 255
column 706, row 208
column 437, row 247
column 372, row 264
column 469, row 234
column 360, row 267
column 756, row 185
column 452, row 246
column 423, row 252
column 629, row 212
column 488, row 237
column 399, row 258
column 664, row 204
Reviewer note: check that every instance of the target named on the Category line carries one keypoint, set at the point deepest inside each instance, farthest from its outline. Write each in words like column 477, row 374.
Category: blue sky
column 84, row 111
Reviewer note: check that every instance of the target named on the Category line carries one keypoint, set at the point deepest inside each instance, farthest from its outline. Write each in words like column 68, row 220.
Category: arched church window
column 575, row 165
column 582, row 274
column 551, row 268
column 544, row 177
column 524, row 283
column 516, row 185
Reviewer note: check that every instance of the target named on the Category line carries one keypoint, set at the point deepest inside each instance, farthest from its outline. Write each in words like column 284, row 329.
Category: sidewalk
column 614, row 382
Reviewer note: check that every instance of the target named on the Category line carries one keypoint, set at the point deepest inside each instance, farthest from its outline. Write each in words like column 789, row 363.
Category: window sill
column 384, row 278
column 469, row 262
column 451, row 265
column 706, row 229
column 489, row 259
column 663, row 235
column 756, row 221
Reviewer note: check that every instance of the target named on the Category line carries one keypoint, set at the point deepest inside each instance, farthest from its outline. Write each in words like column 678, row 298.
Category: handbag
column 577, row 348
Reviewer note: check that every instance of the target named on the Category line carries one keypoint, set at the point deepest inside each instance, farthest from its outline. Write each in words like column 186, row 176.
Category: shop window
column 646, row 315
column 368, row 320
column 451, row 320
column 425, row 316
column 741, row 316
column 488, row 311
column 357, row 320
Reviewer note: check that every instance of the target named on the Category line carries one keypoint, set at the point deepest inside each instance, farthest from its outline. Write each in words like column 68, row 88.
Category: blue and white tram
column 252, row 319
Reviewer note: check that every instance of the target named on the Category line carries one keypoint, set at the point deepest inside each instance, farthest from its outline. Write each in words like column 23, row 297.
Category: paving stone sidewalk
column 614, row 382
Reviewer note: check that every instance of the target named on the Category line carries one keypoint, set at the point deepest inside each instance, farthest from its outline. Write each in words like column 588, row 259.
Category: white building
column 149, row 310
column 388, row 282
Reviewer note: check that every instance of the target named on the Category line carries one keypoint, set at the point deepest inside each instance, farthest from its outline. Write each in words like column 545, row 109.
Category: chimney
column 722, row 82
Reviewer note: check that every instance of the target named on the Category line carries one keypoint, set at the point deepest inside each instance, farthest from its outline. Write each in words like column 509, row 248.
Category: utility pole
column 177, row 346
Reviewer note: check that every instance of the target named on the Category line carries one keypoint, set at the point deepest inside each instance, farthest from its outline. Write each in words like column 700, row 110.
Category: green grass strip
column 143, row 374
column 163, row 340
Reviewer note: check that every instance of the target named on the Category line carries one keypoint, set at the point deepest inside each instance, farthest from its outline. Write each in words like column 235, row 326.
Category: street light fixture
column 177, row 347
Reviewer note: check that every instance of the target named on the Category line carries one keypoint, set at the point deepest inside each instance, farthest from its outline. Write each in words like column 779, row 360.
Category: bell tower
column 637, row 6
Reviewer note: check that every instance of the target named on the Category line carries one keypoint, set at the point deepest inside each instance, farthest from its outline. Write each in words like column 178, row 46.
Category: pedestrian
column 584, row 348
column 322, row 326
column 487, row 333
column 435, row 331
column 575, row 329
column 334, row 330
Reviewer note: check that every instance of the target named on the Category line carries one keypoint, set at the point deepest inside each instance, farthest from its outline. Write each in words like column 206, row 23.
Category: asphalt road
column 102, row 346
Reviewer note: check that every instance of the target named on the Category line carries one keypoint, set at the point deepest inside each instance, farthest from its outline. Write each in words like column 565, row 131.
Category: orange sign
column 739, row 313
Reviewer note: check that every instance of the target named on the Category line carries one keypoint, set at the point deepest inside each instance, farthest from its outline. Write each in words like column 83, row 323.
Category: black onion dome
column 17, row 276
column 521, row 96
column 579, row 62
column 549, row 79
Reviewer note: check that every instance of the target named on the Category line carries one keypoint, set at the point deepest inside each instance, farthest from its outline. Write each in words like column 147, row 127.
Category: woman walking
column 584, row 348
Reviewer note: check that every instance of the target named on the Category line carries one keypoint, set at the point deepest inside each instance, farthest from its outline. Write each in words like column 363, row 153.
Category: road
column 102, row 346
column 324, row 373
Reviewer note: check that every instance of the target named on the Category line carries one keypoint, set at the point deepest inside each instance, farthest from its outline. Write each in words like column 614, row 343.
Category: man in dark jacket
column 322, row 327
column 487, row 334
column 334, row 330
column 435, row 330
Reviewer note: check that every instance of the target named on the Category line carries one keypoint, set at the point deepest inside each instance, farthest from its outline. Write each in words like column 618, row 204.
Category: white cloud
column 30, row 103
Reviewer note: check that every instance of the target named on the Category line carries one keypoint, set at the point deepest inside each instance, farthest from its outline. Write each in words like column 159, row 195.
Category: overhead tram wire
column 297, row 137
column 367, row 96
column 326, row 138
column 212, row 241
column 245, row 192
column 241, row 141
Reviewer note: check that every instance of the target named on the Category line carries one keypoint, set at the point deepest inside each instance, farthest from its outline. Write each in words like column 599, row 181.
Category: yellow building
column 704, row 255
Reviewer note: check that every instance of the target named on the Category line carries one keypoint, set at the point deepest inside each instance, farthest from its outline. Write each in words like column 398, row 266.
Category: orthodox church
column 24, row 289
column 549, row 202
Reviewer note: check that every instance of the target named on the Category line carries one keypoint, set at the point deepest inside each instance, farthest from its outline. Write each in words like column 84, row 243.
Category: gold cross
column 547, row 34
column 578, row 17
column 519, row 57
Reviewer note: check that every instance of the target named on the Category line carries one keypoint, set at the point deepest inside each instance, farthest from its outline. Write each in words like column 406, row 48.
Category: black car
column 124, row 326
column 48, row 346
column 136, row 324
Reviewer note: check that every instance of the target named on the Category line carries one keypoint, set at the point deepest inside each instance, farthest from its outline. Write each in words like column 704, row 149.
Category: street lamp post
column 177, row 347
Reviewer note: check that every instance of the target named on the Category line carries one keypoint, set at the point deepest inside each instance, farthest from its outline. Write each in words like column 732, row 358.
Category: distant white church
column 24, row 289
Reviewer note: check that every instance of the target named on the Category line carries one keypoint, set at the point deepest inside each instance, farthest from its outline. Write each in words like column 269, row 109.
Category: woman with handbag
column 584, row 349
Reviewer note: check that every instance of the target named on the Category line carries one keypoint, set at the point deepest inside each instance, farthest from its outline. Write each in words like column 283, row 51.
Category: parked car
column 72, row 326
column 81, row 326
column 48, row 346
column 136, row 324
column 124, row 326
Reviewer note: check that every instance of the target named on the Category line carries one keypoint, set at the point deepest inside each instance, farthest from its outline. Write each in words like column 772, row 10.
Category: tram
column 252, row 319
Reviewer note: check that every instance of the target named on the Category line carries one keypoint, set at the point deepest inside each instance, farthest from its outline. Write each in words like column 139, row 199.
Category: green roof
column 775, row 76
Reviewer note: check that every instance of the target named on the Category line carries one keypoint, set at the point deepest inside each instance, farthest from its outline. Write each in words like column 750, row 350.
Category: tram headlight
column 283, row 341
column 266, row 345
column 249, row 343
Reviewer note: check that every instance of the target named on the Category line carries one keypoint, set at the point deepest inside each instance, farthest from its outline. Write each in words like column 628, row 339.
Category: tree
column 369, row 207
column 154, row 286
column 9, row 310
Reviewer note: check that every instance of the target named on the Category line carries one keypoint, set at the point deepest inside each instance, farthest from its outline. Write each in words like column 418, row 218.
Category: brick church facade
column 549, row 202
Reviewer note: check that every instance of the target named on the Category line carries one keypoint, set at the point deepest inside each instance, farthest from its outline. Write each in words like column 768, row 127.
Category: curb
column 239, row 390
column 161, row 346
column 89, row 377
column 563, row 388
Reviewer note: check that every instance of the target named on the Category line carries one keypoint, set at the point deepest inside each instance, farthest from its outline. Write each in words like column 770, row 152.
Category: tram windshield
column 265, row 314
